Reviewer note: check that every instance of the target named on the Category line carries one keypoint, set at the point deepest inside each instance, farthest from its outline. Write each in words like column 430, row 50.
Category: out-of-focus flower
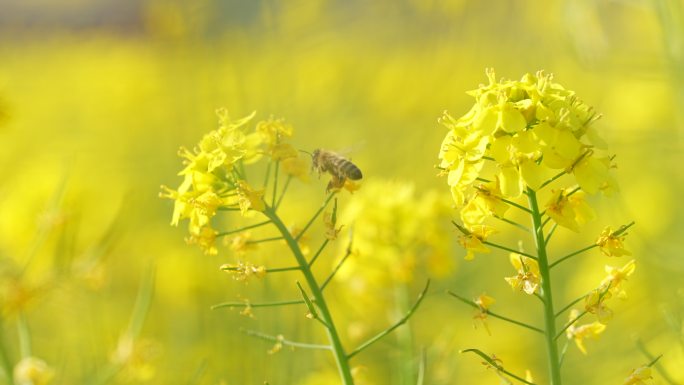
column 205, row 239
column 395, row 234
column 639, row 376
column 616, row 276
column 32, row 371
column 569, row 211
column 611, row 243
column 483, row 302
column 243, row 271
column 595, row 303
column 240, row 244
column 527, row 279
column 579, row 333
column 137, row 358
column 296, row 167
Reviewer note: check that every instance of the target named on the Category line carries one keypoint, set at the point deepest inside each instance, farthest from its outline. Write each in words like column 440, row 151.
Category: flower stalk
column 546, row 292
column 341, row 358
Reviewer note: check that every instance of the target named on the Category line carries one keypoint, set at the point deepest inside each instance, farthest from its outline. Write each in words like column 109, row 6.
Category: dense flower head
column 395, row 232
column 214, row 177
column 524, row 134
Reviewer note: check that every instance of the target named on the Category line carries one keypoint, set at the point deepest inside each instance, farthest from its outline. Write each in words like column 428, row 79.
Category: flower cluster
column 523, row 134
column 214, row 176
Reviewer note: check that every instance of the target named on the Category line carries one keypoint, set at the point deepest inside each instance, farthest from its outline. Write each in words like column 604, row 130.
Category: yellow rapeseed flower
column 483, row 302
column 32, row 371
column 528, row 278
column 473, row 241
column 248, row 198
column 579, row 333
column 612, row 245
column 569, row 211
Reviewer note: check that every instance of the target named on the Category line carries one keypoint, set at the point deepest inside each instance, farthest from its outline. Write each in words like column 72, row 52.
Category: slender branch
column 476, row 306
column 509, row 249
column 311, row 221
column 275, row 185
column 553, row 230
column 572, row 255
column 268, row 175
column 280, row 339
column 255, row 305
column 282, row 193
column 318, row 252
column 337, row 267
column 516, row 224
column 273, row 270
column 313, row 313
column 570, row 323
column 571, row 304
column 222, row 234
column 562, row 353
column 654, row 362
column 265, row 240
column 551, row 180
column 391, row 328
column 496, row 365
column 545, row 220
column 523, row 208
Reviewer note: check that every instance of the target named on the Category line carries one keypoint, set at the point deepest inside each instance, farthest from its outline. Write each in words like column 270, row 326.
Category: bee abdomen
column 351, row 171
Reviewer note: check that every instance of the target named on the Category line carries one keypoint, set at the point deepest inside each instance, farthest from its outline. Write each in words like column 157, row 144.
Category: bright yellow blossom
column 243, row 271
column 473, row 241
column 570, row 211
column 296, row 167
column 248, row 198
column 612, row 244
column 579, row 333
column 528, row 278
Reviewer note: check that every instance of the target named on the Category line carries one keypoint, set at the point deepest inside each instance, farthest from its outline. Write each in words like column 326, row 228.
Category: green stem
column 476, row 306
column 222, row 234
column 545, row 272
column 496, row 365
column 311, row 221
column 280, row 339
column 253, row 305
column 336, row 343
column 509, row 249
column 573, row 254
column 390, row 329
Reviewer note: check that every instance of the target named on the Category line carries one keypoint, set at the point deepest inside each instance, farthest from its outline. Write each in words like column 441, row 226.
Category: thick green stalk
column 545, row 272
column 317, row 293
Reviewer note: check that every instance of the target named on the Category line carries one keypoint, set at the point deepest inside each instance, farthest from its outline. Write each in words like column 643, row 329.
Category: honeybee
column 339, row 167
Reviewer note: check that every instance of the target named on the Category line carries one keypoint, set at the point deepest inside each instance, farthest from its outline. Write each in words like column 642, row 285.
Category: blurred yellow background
column 96, row 98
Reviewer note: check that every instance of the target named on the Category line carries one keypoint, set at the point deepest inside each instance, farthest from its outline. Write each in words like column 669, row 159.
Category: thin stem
column 568, row 306
column 553, row 230
column 6, row 370
column 282, row 193
column 311, row 221
column 337, row 267
column 336, row 343
column 509, row 249
column 271, row 239
column 654, row 362
column 562, row 353
column 513, row 223
column 572, row 255
column 318, row 252
column 476, row 306
column 275, row 185
column 255, row 305
column 570, row 323
column 222, row 234
column 545, row 272
column 282, row 340
column 389, row 330
column 273, row 270
column 496, row 365
column 523, row 208
column 268, row 175
column 551, row 180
